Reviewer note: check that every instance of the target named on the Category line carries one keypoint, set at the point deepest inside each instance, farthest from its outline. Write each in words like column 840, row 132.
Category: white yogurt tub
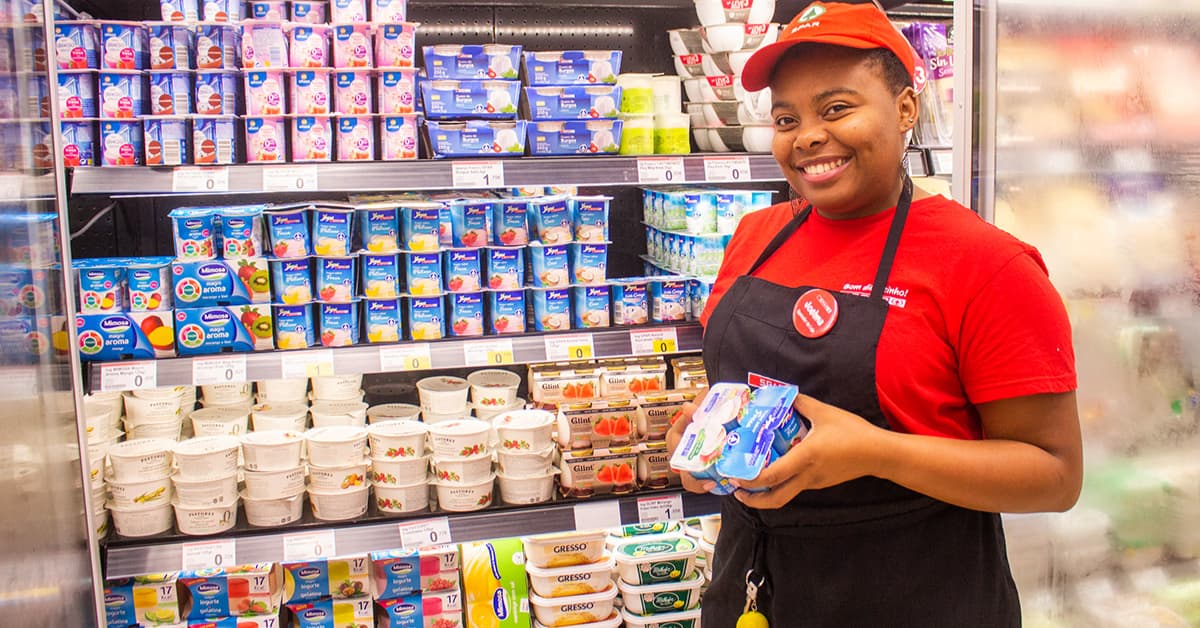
column 336, row 445
column 408, row 498
column 281, row 390
column 291, row 416
column 462, row 471
column 706, row 554
column 465, row 497
column 141, row 494
column 524, row 430
column 397, row 439
column 225, row 394
column 275, row 484
column 564, row 549
column 272, row 450
column 273, row 511
column 558, row 582
column 220, row 420
column 207, row 457
column 340, row 478
column 349, row 412
column 338, row 505
column 710, row 527
column 682, row 619
column 399, row 471
column 460, row 438
column 433, row 418
column 523, row 463
column 442, row 394
column 386, row 412
column 141, row 459
column 495, row 388
column 575, row 609
column 667, row 597
column 337, row 387
column 529, row 489
column 656, row 560
column 198, row 493
column 201, row 520
column 141, row 521
column 168, row 430
column 140, row 410
column 487, row 413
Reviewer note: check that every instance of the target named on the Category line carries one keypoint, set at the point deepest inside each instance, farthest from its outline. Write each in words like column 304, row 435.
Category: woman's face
column 839, row 130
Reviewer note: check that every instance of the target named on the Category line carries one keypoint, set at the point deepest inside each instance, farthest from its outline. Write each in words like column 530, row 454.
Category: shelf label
column 425, row 533
column 488, row 352
column 289, row 178
column 223, row 370
column 128, row 376
column 477, row 174
column 596, row 515
column 654, row 341
column 943, row 161
column 405, row 358
column 570, row 347
column 656, row 509
column 307, row 364
column 661, row 170
column 724, row 169
column 200, row 180
column 309, row 545
column 209, row 554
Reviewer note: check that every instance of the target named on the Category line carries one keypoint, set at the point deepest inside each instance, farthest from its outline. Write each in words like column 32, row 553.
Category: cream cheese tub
column 465, row 497
column 275, row 484
column 272, row 450
column 397, row 439
column 574, row 610
column 557, row 582
column 654, row 561
column 216, row 492
column 202, row 520
column 207, row 457
column 140, row 494
column 340, row 478
column 273, row 511
column 338, row 505
column 135, row 522
column 681, row 619
column 564, row 549
column 460, row 438
column 667, row 597
column 409, row 498
column 336, row 445
column 141, row 459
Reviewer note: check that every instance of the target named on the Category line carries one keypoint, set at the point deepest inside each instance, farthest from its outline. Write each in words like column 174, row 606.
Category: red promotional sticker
column 815, row 313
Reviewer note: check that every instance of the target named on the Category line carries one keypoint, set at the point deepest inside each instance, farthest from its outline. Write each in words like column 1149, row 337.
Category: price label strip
column 477, row 174
column 290, row 179
column 485, row 352
column 425, row 533
column 309, row 545
column 405, row 358
column 224, row 370
column 128, row 376
column 596, row 515
column 209, row 554
column 656, row 509
column 570, row 347
column 661, row 170
column 200, row 180
column 307, row 364
column 726, row 169
column 654, row 341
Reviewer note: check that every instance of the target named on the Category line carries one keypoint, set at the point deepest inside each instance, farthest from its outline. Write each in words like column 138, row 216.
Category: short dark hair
column 895, row 76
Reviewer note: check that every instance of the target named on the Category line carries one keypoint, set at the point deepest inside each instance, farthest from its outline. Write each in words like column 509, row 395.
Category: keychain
column 750, row 617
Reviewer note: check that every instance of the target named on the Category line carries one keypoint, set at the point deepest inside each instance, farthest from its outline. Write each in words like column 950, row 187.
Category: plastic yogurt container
column 466, row 497
column 655, row 561
column 395, row 45
column 352, row 92
column 266, row 139
column 289, row 233
column 122, row 94
column 275, row 484
column 214, row 139
column 339, row 505
column 142, row 493
column 77, row 94
column 268, row 10
column 393, row 468
column 122, row 142
column 220, row 421
column 406, row 498
column 171, row 46
column 524, row 430
column 273, row 511
column 336, row 445
column 559, row 582
column 382, row 320
column 311, row 94
column 337, row 387
column 398, row 137
column 550, row 265
column 380, row 275
column 141, row 459
column 397, row 89
column 138, row 522
column 272, row 450
column 263, row 45
column 527, row 489
column 79, row 142
column 218, row 46
column 201, row 520
column 346, row 412
column 443, row 394
column 347, row 11
column 342, row 477
column 352, row 45
column 216, row 92
column 575, row 609
column 309, row 12
column 520, row 463
column 212, row 492
column 264, row 92
column 124, row 45
column 207, row 457
column 462, row 438
column 285, row 416
column 355, row 138
column 167, row 141
column 383, row 11
column 170, row 92
column 667, row 597
column 551, row 308
column 75, row 45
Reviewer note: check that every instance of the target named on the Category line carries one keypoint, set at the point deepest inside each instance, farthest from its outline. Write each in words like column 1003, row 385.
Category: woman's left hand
column 839, row 447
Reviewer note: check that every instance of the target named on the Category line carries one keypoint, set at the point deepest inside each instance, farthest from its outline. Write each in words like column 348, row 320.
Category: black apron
column 867, row 552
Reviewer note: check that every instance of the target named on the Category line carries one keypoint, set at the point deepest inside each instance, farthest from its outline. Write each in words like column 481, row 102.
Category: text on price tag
column 477, row 174
column 309, row 545
column 405, row 358
column 570, row 347
column 200, row 180
column 224, row 370
column 654, row 341
column 289, row 178
column 209, row 554
column 307, row 364
column 485, row 352
column 656, row 509
column 720, row 169
column 128, row 376
column 425, row 533
column 661, row 170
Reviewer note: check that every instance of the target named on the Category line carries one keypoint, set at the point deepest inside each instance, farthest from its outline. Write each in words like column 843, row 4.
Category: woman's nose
column 810, row 136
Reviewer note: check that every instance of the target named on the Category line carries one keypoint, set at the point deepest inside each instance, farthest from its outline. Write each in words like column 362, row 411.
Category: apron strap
column 782, row 237
column 893, row 240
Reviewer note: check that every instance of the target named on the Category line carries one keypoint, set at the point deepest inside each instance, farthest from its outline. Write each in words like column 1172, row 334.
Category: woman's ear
column 908, row 105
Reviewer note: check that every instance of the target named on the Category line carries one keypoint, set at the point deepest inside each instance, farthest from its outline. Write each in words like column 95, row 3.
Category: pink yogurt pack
column 214, row 140
column 356, row 138
column 395, row 45
column 75, row 46
column 389, row 11
column 309, row 46
column 264, row 93
column 170, row 46
column 217, row 46
column 268, row 10
column 168, row 142
column 77, row 94
column 263, row 45
column 221, row 10
column 78, row 142
column 347, row 11
column 121, row 142
column 124, row 45
column 352, row 92
column 216, row 92
column 170, row 92
column 310, row 92
column 307, row 12
column 122, row 94
column 352, row 46
column 397, row 91
column 398, row 137
column 266, row 140
column 179, row 10
column 312, row 138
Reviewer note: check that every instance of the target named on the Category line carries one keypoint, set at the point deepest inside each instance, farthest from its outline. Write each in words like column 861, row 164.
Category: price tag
column 310, row 545
column 424, row 533
column 487, row 352
column 223, row 370
column 656, row 509
column 405, row 358
column 720, row 169
column 209, row 554
column 570, row 347
column 602, row 514
column 661, row 170
column 289, row 179
column 200, row 180
column 943, row 161
column 477, row 174
column 654, row 341
column 307, row 364
column 128, row 376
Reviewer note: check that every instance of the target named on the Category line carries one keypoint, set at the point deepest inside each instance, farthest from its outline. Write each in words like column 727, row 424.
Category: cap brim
column 756, row 74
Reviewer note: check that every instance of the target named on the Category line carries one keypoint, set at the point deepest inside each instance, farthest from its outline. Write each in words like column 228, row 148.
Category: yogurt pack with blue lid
column 589, row 262
column 379, row 227
column 574, row 137
column 473, row 138
column 463, row 269
column 335, row 278
column 338, row 323
column 470, row 222
column 669, row 299
column 420, row 225
column 573, row 67
column 383, row 320
column 550, row 219
column 287, row 228
column 423, row 273
column 380, row 275
column 470, row 98
column 220, row 282
column 591, row 217
column 295, row 326
column 630, row 301
column 505, row 267
column 465, row 313
column 550, row 265
column 426, row 318
column 551, row 308
column 573, row 102
column 487, row 61
column 291, row 280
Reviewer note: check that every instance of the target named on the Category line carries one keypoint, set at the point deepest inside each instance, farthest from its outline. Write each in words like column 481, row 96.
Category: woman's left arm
column 1031, row 459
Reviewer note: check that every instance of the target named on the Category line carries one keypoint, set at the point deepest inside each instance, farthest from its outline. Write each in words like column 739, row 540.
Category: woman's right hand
column 679, row 423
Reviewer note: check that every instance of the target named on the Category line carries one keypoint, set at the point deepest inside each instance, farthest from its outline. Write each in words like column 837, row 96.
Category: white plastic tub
column 442, row 394
column 141, row 459
column 487, row 413
column 348, row 412
column 336, row 445
column 409, row 498
column 272, row 450
column 386, row 412
column 494, row 388
column 524, row 430
column 275, row 484
column 271, row 512
column 531, row 489
column 710, row 526
column 141, row 521
column 282, row 390
column 167, row 430
column 682, row 619
column 198, row 493
column 433, row 418
column 400, row 471
column 164, row 393
column 202, row 520
column 397, row 439
column 344, row 477
column 656, row 560
column 465, row 497
column 291, row 416
column 339, row 505
column 520, row 463
column 564, row 549
column 220, row 421
column 575, row 609
column 207, row 457
column 613, row 621
column 140, row 494
column 713, row 12
column 225, row 394
column 337, row 387
column 154, row 410
column 666, row 597
column 573, row 580
column 459, row 438
column 469, row 470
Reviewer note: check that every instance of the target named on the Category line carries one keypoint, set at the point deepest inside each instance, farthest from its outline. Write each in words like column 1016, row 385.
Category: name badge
column 815, row 313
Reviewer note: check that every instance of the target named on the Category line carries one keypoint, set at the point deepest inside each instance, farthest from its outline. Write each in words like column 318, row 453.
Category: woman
column 933, row 356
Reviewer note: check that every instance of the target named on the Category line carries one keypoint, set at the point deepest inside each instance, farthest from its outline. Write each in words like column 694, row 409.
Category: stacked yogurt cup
column 337, row 465
column 274, row 477
column 206, row 484
column 526, row 453
column 158, row 412
column 399, row 464
column 462, row 462
column 102, row 415
column 139, row 483
column 338, row 400
column 225, row 412
column 443, row 398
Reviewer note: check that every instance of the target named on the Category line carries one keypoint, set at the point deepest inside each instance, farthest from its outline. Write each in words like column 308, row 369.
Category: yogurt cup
column 654, row 561
column 264, row 93
column 399, row 471
column 443, row 394
column 207, row 457
column 528, row 489
column 381, row 275
column 75, row 46
column 241, row 235
column 336, row 445
column 589, row 262
column 352, row 45
column 266, row 139
column 339, row 505
column 122, row 94
column 591, row 306
column 101, row 288
column 408, row 498
column 335, row 277
column 337, row 387
column 282, row 390
column 273, row 511
column 291, row 280
column 140, row 459
column 272, row 450
column 550, row 265
column 275, row 484
column 383, row 11
column 459, row 438
column 170, row 92
column 356, row 138
column 352, row 92
column 140, row 410
column 268, row 10
column 138, row 522
column 195, row 232
column 466, row 497
column 214, row 492
column 350, row 412
column 551, row 308
column 496, row 388
column 667, row 597
column 168, row 430
column 123, row 45
column 77, row 94
column 220, row 421
column 203, row 520
column 388, row 412
column 79, row 142
column 342, row 477
column 397, row 90
column 339, row 328
column 332, row 233
column 398, row 137
column 524, row 430
column 217, row 46
column 613, row 621
column 214, row 139
column 263, row 45
column 216, row 92
column 311, row 94
column 520, row 463
column 288, row 232
column 395, row 43
column 295, row 327
column 312, row 139
column 468, row 470
column 307, row 12
column 167, row 141
column 564, row 549
column 345, row 11
column 122, row 142
column 710, row 527
column 397, row 439
column 382, row 320
column 285, row 416
column 221, row 10
column 433, row 418
column 561, row 582
column 141, row 494
column 575, row 609
column 505, row 268
column 170, row 46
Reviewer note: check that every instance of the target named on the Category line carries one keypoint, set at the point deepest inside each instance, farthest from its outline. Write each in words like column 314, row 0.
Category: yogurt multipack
column 470, row 98
column 568, row 102
column 221, row 282
column 492, row 61
column 574, row 137
column 573, row 67
column 207, row 330
column 119, row 336
column 473, row 138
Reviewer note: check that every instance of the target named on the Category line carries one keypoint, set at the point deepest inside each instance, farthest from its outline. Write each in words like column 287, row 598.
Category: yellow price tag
column 665, row 345
column 504, row 356
column 307, row 364
column 570, row 347
column 652, row 341
column 485, row 352
column 579, row 352
column 405, row 358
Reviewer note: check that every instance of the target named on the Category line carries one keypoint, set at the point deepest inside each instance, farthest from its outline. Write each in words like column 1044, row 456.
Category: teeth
column 822, row 168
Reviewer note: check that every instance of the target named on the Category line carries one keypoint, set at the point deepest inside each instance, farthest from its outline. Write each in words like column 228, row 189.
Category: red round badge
column 815, row 313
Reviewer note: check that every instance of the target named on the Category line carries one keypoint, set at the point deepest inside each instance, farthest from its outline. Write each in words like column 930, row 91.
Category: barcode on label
column 224, row 151
column 229, row 103
column 182, row 59
column 276, row 57
column 35, row 106
column 228, row 54
column 172, row 152
column 181, row 104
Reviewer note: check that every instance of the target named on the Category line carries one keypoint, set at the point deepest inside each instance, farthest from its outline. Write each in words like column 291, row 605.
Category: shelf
column 132, row 556
column 395, row 176
column 450, row 353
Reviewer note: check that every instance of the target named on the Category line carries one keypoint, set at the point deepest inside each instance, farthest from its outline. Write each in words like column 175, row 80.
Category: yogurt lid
column 393, row 410
column 345, row 406
column 336, row 434
column 459, row 427
column 643, row 529
column 280, row 410
column 606, row 563
column 524, row 419
column 206, row 445
column 636, row 550
column 443, row 384
column 141, row 447
column 220, row 413
column 271, row 437
column 193, row 212
column 565, row 537
column 551, row 602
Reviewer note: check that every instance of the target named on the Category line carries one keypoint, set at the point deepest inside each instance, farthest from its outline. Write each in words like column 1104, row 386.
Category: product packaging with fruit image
column 340, row 578
column 221, row 282
column 328, row 612
column 585, row 475
column 205, row 330
column 247, row 590
column 150, row 598
column 138, row 336
column 600, row 426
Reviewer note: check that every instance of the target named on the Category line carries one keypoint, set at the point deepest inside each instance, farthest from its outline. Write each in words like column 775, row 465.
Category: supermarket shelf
column 394, row 176
column 440, row 354
column 133, row 556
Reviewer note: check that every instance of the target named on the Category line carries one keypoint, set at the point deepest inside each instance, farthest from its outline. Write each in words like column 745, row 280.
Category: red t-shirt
column 974, row 317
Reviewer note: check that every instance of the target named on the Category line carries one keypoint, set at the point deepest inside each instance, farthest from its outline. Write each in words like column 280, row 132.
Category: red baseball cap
column 862, row 26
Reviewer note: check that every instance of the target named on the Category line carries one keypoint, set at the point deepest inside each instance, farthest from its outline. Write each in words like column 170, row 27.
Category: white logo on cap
column 811, row 13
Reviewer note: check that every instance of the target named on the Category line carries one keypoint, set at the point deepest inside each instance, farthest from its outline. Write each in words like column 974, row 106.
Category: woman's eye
column 835, row 109
column 783, row 122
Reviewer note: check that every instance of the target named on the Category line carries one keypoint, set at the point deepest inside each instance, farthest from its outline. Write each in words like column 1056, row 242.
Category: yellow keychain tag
column 750, row 617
